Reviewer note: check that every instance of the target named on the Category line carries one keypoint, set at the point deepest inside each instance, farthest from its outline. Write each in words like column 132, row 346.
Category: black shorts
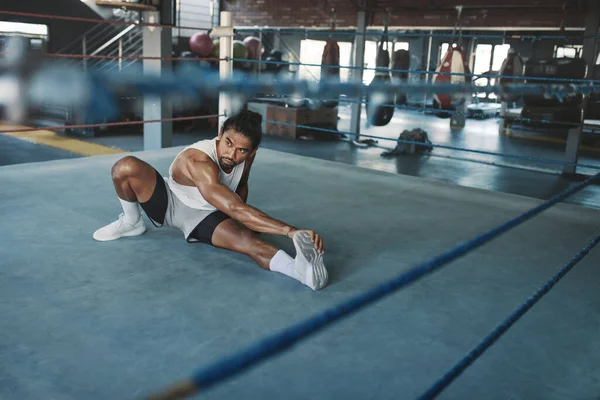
column 164, row 208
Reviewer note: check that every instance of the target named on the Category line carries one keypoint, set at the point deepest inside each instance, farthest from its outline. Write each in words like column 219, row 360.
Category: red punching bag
column 451, row 70
column 511, row 68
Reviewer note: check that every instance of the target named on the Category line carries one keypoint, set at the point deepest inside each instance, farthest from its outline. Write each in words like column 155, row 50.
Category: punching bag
column 402, row 63
column 330, row 71
column 511, row 67
column 380, row 115
column 453, row 62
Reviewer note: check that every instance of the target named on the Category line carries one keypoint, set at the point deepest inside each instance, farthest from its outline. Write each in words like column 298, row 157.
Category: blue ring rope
column 240, row 83
column 258, row 352
column 502, row 328
column 441, row 146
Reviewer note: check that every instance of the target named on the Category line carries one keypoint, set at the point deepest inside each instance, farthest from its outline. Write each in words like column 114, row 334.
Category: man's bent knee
column 125, row 168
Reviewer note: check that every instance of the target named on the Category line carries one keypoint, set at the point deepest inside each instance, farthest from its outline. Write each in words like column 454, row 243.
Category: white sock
column 131, row 210
column 282, row 263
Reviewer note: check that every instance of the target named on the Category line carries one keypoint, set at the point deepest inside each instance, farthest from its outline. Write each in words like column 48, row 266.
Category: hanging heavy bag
column 510, row 71
column 453, row 69
column 381, row 114
column 330, row 71
column 400, row 66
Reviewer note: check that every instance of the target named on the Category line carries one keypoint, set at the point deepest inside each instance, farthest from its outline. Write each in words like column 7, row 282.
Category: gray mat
column 88, row 320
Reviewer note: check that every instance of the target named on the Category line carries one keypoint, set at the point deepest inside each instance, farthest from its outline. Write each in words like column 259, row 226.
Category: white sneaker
column 308, row 265
column 120, row 228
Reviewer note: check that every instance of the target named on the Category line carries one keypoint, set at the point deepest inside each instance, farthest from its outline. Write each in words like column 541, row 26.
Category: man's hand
column 316, row 239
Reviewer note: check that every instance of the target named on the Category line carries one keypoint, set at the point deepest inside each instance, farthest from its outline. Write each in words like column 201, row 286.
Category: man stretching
column 205, row 197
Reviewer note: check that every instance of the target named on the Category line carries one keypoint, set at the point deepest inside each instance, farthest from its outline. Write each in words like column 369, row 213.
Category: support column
column 592, row 23
column 84, row 52
column 258, row 65
column 503, row 125
column 357, row 73
column 120, row 54
column 428, row 77
column 157, row 42
column 225, row 33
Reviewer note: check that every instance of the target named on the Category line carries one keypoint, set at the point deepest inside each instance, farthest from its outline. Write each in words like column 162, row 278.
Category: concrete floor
column 115, row 320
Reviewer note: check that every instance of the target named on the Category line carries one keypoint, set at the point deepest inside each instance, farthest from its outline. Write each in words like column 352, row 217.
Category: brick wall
column 294, row 13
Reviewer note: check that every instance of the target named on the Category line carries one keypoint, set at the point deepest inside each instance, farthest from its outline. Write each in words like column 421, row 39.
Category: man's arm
column 242, row 189
column 205, row 175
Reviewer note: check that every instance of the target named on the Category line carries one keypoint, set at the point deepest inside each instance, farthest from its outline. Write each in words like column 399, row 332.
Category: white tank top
column 190, row 195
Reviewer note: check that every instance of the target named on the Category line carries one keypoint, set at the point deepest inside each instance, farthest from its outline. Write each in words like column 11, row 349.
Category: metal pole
column 472, row 51
column 178, row 22
column 84, row 52
column 357, row 73
column 428, row 76
column 260, row 40
column 503, row 125
column 120, row 54
column 592, row 24
column 225, row 66
column 157, row 42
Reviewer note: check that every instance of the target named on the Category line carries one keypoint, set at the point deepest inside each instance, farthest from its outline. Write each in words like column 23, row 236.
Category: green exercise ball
column 216, row 49
column 240, row 51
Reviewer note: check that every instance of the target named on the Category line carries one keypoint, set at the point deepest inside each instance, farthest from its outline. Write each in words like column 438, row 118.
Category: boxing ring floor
column 116, row 320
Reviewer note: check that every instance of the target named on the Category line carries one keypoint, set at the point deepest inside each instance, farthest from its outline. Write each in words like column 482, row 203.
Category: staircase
column 112, row 48
column 109, row 47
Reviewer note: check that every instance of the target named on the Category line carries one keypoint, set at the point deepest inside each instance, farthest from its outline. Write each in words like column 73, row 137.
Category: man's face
column 233, row 148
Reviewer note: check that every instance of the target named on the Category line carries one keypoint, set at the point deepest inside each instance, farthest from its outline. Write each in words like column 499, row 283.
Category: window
column 500, row 54
column 23, row 28
column 401, row 46
column 311, row 52
column 483, row 59
column 443, row 50
column 483, row 56
column 573, row 51
column 370, row 59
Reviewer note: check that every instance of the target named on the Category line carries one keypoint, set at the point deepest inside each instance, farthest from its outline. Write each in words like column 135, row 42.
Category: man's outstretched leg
column 135, row 182
column 307, row 267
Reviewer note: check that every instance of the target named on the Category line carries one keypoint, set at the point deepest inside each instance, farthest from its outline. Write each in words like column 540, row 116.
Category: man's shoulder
column 194, row 159
column 194, row 154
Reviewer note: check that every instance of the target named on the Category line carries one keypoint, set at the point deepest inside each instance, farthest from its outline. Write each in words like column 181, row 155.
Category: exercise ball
column 216, row 49
column 240, row 51
column 201, row 44
column 254, row 47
